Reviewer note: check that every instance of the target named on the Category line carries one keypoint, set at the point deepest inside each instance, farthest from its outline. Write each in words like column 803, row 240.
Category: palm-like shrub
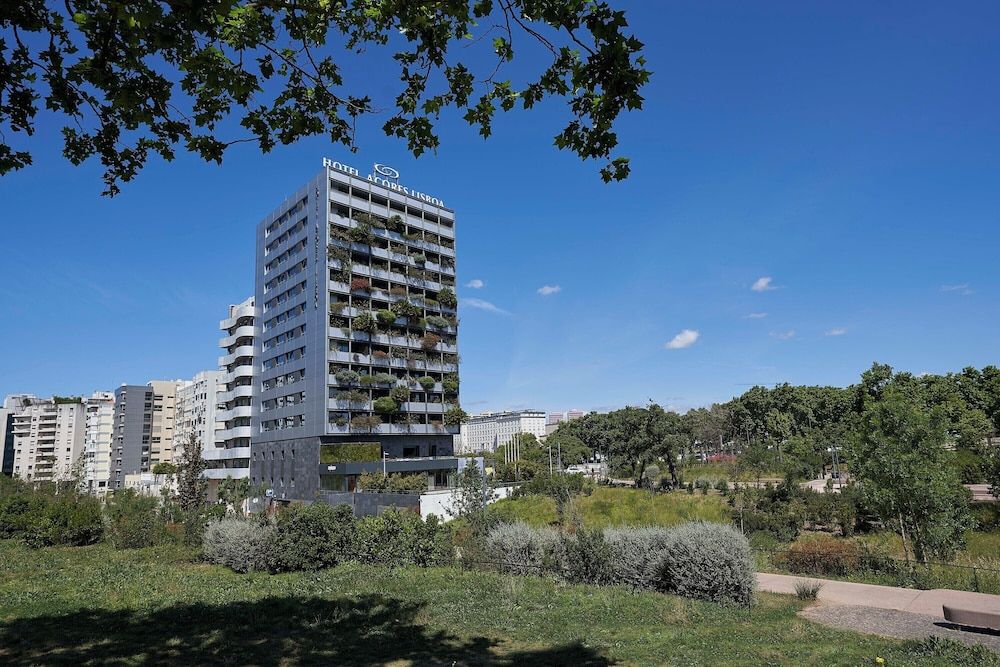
column 400, row 394
column 365, row 322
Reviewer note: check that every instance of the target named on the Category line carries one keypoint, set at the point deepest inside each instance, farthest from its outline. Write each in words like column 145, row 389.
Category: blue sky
column 849, row 153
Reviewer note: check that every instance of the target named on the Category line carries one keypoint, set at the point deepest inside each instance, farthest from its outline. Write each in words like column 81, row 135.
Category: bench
column 971, row 618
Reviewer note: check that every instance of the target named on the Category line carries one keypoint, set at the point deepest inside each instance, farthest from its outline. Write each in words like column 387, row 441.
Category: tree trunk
column 672, row 466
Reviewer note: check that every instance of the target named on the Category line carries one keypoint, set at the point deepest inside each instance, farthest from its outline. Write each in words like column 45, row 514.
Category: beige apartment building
column 163, row 422
column 48, row 438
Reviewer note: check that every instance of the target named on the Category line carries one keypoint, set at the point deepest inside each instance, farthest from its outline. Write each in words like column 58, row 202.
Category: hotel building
column 356, row 353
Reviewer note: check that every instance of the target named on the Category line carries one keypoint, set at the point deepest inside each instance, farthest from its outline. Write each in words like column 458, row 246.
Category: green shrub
column 586, row 557
column 427, row 382
column 706, row 561
column 450, row 383
column 239, row 544
column 385, row 405
column 400, row 394
column 22, row 511
column 437, row 321
column 397, row 538
column 393, row 483
column 385, row 317
column 74, row 520
column 350, row 451
column 311, row 537
column 134, row 520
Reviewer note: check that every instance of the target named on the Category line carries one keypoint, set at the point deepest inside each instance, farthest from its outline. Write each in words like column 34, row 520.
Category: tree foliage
column 901, row 462
column 142, row 78
column 192, row 487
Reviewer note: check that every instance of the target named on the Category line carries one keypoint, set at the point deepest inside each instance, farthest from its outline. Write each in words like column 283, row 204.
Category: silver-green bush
column 634, row 551
column 707, row 561
column 517, row 548
column 238, row 544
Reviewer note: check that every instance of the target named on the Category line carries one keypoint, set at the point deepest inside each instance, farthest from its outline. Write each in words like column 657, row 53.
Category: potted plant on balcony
column 347, row 377
column 365, row 322
column 385, row 405
column 365, row 422
column 386, row 317
column 430, row 341
column 446, row 296
column 454, row 416
column 400, row 394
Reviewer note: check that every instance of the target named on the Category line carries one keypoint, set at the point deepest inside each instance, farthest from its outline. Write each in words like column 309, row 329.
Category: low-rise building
column 488, row 431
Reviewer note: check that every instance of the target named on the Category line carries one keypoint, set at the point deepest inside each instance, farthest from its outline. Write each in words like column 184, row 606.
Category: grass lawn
column 616, row 507
column 97, row 606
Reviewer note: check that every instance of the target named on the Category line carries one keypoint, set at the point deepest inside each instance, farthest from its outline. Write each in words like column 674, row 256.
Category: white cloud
column 475, row 283
column 836, row 331
column 685, row 338
column 484, row 305
column 961, row 289
column 546, row 290
column 756, row 316
column 763, row 284
column 784, row 335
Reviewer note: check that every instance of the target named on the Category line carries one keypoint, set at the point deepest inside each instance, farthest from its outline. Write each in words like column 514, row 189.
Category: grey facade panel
column 131, row 435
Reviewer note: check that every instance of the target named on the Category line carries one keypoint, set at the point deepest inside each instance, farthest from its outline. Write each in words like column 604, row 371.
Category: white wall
column 439, row 502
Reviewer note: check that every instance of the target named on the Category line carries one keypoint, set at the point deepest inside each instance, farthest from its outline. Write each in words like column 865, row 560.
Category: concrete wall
column 440, row 502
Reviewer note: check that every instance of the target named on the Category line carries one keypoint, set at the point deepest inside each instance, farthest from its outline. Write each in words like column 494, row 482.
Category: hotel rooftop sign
column 385, row 176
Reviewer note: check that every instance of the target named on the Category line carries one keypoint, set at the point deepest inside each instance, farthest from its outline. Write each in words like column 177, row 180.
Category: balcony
column 400, row 465
column 245, row 331
column 233, row 433
column 238, row 352
column 393, row 429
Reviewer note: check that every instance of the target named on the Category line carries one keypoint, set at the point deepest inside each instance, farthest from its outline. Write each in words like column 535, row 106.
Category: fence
column 877, row 568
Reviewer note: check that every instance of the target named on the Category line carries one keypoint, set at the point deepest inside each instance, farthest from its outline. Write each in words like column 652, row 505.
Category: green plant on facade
column 450, row 383
column 365, row 322
column 408, row 310
column 385, row 317
column 427, row 382
column 430, row 341
column 365, row 422
column 455, row 415
column 350, row 452
column 353, row 397
column 400, row 394
column 437, row 321
column 385, row 405
column 447, row 297
column 347, row 377
column 384, row 378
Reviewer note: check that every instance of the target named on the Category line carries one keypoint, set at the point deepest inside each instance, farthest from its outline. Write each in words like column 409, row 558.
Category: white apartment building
column 48, row 438
column 490, row 430
column 97, row 441
column 229, row 455
column 196, row 411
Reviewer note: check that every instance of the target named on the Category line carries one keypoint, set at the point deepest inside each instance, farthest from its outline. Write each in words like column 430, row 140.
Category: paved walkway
column 883, row 597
